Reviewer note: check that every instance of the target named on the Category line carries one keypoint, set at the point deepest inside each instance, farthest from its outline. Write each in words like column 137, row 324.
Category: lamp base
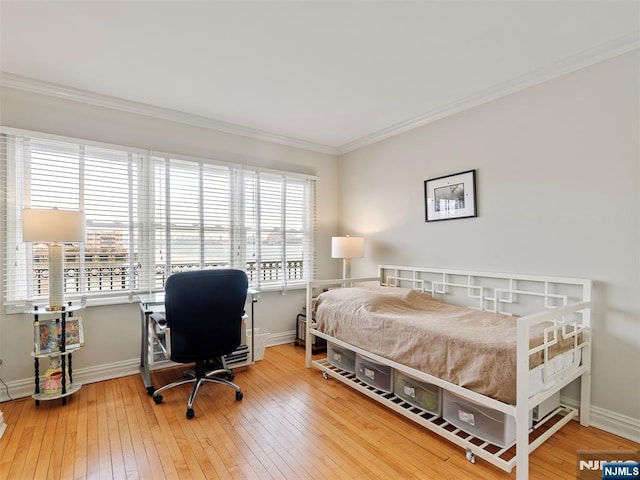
column 53, row 308
column 346, row 268
column 56, row 276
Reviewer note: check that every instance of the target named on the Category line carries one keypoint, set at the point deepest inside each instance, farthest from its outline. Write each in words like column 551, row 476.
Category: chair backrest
column 204, row 311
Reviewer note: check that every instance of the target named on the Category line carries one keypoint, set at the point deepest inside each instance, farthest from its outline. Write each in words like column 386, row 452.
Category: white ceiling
column 332, row 75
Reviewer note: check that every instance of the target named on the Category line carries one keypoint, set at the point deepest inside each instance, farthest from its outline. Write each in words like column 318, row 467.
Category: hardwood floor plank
column 11, row 437
column 42, row 450
column 138, row 458
column 111, row 439
column 80, row 451
column 291, row 424
column 64, row 443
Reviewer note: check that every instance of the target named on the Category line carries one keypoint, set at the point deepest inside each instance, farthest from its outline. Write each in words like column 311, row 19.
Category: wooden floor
column 291, row 424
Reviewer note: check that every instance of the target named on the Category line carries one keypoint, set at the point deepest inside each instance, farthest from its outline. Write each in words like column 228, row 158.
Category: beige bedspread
column 470, row 348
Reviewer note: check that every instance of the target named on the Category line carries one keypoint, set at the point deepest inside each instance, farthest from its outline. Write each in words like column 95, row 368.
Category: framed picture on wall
column 450, row 197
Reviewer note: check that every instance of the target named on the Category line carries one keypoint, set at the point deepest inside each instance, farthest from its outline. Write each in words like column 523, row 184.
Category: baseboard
column 281, row 338
column 615, row 423
column 24, row 388
column 601, row 418
column 611, row 422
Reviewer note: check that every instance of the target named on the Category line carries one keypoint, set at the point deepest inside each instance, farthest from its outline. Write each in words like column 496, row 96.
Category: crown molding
column 31, row 85
column 569, row 64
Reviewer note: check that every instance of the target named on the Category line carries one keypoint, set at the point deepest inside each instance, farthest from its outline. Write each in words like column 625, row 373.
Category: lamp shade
column 347, row 247
column 52, row 225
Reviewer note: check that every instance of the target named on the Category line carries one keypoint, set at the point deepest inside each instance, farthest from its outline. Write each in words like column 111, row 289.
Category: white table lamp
column 52, row 226
column 347, row 248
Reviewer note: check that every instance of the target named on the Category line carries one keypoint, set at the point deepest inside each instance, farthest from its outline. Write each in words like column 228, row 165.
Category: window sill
column 105, row 301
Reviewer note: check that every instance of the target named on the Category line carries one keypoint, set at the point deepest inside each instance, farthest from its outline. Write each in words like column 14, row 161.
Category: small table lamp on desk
column 347, row 248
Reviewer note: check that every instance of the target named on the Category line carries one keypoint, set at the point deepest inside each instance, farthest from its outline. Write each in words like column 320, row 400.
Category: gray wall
column 112, row 333
column 557, row 179
column 558, row 194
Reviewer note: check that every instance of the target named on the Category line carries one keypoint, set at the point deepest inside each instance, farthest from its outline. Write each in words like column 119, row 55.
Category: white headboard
column 506, row 293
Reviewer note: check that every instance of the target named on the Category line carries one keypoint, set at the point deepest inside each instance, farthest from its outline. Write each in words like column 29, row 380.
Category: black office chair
column 202, row 323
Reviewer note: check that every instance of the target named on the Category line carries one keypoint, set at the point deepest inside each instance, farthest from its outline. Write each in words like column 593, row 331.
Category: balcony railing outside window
column 105, row 277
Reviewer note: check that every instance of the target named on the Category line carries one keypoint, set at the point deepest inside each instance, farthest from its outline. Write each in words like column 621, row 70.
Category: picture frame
column 450, row 197
column 47, row 335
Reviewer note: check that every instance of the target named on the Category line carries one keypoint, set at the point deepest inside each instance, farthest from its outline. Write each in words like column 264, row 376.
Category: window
column 149, row 215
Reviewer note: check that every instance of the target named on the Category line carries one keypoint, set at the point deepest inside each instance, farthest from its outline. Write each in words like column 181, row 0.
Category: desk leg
column 253, row 329
column 144, row 353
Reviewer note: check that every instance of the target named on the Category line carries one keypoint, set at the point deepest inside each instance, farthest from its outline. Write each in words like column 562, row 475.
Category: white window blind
column 277, row 219
column 150, row 215
column 231, row 216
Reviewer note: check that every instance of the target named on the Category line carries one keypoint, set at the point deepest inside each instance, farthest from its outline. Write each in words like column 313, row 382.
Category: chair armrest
column 161, row 332
column 159, row 320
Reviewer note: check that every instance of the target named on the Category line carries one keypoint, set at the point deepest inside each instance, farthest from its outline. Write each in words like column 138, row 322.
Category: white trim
column 609, row 421
column 19, row 132
column 70, row 93
column 24, row 388
column 281, row 338
column 567, row 65
column 150, row 153
column 615, row 423
column 224, row 163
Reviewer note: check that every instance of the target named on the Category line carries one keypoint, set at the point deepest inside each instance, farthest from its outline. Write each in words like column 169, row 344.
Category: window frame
column 142, row 230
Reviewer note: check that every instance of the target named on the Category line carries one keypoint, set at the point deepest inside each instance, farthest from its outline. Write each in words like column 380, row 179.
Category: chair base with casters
column 200, row 376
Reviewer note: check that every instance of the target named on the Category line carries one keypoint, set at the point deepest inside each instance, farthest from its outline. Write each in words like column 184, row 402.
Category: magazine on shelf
column 47, row 335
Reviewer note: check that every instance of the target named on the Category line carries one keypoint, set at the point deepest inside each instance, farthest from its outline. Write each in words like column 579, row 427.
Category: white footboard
column 316, row 287
column 563, row 302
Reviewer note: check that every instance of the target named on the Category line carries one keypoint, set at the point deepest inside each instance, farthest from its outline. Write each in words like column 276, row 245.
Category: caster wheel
column 325, row 375
column 230, row 377
column 150, row 391
column 190, row 413
column 157, row 399
column 471, row 456
column 239, row 395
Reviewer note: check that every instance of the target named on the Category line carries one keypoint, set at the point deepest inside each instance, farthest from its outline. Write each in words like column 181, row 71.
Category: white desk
column 154, row 302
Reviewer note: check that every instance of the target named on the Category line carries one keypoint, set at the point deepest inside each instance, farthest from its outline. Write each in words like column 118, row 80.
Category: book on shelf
column 48, row 335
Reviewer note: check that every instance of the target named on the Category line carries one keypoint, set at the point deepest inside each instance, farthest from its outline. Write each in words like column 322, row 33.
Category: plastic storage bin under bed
column 341, row 357
column 482, row 422
column 375, row 374
column 418, row 393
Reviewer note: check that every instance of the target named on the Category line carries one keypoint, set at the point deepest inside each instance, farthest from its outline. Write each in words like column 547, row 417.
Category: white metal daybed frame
column 499, row 293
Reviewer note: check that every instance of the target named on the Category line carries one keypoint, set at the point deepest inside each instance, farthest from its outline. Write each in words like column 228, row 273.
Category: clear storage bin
column 483, row 422
column 341, row 357
column 416, row 392
column 374, row 373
